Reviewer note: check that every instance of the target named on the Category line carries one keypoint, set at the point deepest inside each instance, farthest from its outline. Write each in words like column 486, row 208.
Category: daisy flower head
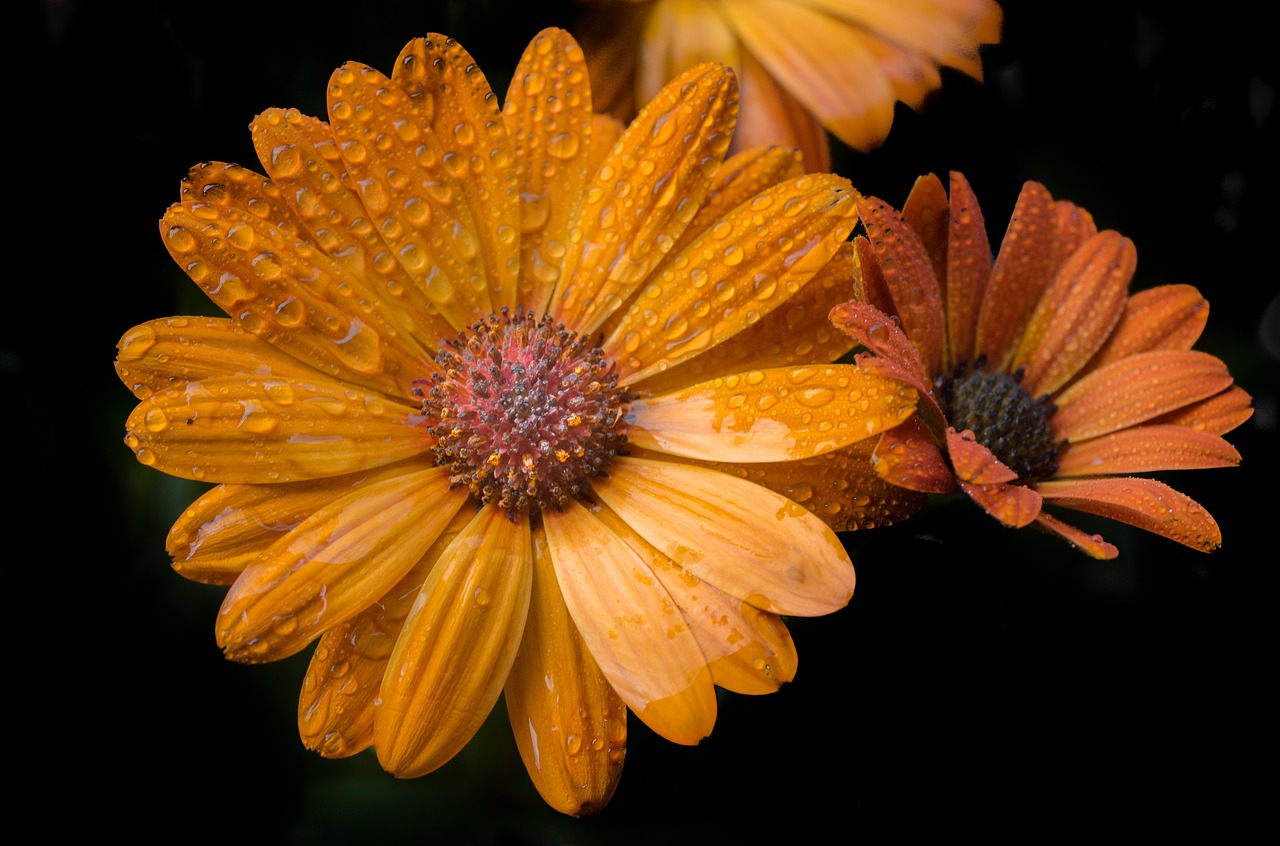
column 806, row 67
column 1044, row 383
column 510, row 399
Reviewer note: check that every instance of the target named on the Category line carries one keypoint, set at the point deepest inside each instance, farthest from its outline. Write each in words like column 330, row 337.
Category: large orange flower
column 507, row 400
column 1044, row 382
column 804, row 65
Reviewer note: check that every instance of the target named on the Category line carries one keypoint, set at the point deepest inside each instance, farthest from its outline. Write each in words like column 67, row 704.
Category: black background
column 982, row 682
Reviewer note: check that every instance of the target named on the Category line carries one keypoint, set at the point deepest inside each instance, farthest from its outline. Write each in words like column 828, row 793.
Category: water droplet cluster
column 1003, row 416
column 525, row 412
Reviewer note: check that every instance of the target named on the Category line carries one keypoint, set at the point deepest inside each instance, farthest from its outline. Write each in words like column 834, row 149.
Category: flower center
column 525, row 412
column 1003, row 416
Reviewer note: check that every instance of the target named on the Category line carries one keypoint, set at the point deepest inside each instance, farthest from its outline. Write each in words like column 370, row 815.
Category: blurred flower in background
column 513, row 400
column 1044, row 382
column 805, row 66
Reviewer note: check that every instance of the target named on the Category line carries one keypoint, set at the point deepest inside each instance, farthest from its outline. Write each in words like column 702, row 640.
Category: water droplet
column 563, row 146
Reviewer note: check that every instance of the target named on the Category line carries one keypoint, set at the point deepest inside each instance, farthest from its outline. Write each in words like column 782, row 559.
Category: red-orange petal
column 1218, row 414
column 973, row 462
column 968, row 270
column 1145, row 503
column 908, row 457
column 896, row 356
column 1014, row 505
column 1170, row 317
column 1092, row 545
column 1145, row 449
column 927, row 212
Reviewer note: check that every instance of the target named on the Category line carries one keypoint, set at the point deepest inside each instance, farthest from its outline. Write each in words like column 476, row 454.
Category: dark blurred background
column 982, row 682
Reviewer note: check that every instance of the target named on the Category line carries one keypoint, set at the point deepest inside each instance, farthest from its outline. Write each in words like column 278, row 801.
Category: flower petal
column 1145, row 503
column 741, row 177
column 663, row 161
column 1136, row 389
column 780, row 414
column 744, row 266
column 302, row 159
column 340, row 691
column 796, row 332
column 570, row 725
column 1170, row 317
column 908, row 456
column 1092, row 545
column 1014, row 505
column 771, row 115
column 1022, row 270
column 968, row 271
column 747, row 650
column 231, row 526
column 159, row 354
column 745, row 539
column 278, row 288
column 632, row 628
column 973, row 462
column 1144, row 449
column 548, row 118
column 333, row 565
column 908, row 272
column 457, row 646
column 895, row 356
column 926, row 211
column 676, row 37
column 1081, row 306
column 1218, row 414
column 238, row 430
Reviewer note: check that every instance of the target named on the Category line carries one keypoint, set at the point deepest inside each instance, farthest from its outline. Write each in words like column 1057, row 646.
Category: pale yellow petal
column 745, row 539
column 631, row 626
column 457, row 646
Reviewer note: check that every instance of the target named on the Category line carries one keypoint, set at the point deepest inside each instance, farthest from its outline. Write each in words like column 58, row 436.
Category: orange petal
column 340, row 691
column 570, row 725
column 771, row 115
column 796, row 332
column 1145, row 503
column 239, row 430
column 300, row 155
column 1170, row 317
column 747, row 650
column 780, row 414
column 973, row 462
column 1022, row 270
column 835, row 76
column 333, row 565
column 908, row 456
column 1218, row 414
column 631, row 626
column 457, row 646
column 1081, row 306
column 896, row 356
column 741, row 177
column 676, row 37
column 231, row 526
column 278, row 288
column 744, row 266
column 1144, row 449
column 1014, row 505
column 745, row 539
column 909, row 275
column 968, row 271
column 1136, row 389
column 1074, row 226
column 927, row 213
column 869, row 284
column 1092, row 545
column 160, row 354
column 548, row 117
column 662, row 163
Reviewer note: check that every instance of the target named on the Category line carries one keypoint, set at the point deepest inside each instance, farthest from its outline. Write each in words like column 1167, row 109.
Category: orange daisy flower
column 512, row 400
column 1043, row 381
column 804, row 65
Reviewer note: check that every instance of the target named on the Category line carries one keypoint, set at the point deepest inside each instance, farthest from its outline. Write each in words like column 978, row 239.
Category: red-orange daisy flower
column 1044, row 382
column 805, row 65
column 507, row 400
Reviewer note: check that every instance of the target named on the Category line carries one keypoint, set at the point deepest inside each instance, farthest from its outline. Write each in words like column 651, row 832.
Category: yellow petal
column 457, row 646
column 642, row 197
column 678, row 35
column 744, row 266
column 335, row 564
column 570, row 725
column 748, row 650
column 770, row 115
column 745, row 539
column 159, row 354
column 632, row 628
column 302, row 159
column 340, row 691
column 741, row 177
column 780, row 414
column 238, row 430
column 548, row 118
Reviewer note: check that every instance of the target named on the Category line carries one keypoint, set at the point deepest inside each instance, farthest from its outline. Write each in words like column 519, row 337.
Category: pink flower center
column 525, row 412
